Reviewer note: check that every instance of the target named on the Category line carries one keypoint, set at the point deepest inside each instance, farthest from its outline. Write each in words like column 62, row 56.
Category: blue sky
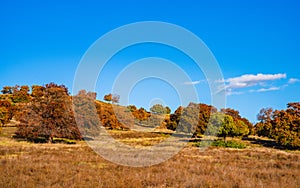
column 256, row 44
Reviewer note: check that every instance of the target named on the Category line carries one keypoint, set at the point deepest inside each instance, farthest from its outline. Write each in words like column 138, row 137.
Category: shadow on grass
column 265, row 143
column 43, row 140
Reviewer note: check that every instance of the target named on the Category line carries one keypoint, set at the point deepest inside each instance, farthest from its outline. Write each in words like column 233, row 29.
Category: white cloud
column 231, row 92
column 268, row 89
column 192, row 83
column 249, row 80
column 255, row 83
column 293, row 80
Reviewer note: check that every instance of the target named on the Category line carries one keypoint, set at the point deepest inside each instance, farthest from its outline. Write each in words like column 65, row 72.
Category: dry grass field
column 26, row 164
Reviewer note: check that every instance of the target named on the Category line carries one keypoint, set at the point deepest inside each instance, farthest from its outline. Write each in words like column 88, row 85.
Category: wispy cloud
column 268, row 89
column 293, row 80
column 232, row 92
column 193, row 82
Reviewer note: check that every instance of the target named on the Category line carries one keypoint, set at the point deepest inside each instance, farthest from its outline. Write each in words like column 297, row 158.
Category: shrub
column 221, row 143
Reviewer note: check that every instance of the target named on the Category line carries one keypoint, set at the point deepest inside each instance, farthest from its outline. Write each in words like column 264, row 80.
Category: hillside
column 48, row 112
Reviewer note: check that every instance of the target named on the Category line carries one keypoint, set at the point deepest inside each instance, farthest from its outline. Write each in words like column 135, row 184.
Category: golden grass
column 26, row 164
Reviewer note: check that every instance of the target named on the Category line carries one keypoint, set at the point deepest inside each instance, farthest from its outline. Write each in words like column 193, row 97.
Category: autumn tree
column 49, row 115
column 108, row 116
column 199, row 122
column 37, row 91
column 7, row 90
column 264, row 127
column 20, row 94
column 108, row 97
column 141, row 114
column 281, row 125
column 86, row 115
column 189, row 119
column 204, row 116
column 172, row 121
column 131, row 108
column 6, row 112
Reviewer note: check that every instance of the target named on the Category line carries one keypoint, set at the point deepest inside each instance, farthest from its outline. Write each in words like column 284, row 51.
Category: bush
column 221, row 143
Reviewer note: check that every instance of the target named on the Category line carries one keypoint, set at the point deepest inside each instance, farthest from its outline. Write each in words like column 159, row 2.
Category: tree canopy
column 281, row 125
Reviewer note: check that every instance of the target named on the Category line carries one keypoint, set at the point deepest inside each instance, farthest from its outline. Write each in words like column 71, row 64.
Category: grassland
column 25, row 164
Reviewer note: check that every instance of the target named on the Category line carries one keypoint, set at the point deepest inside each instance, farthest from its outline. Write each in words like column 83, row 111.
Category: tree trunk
column 49, row 139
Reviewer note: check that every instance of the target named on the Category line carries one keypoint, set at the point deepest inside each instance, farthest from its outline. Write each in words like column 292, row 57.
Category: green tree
column 215, row 123
column 167, row 110
column 228, row 128
column 160, row 109
column 157, row 109
column 223, row 125
column 243, row 124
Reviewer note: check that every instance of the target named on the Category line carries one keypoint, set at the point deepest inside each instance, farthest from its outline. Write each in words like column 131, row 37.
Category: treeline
column 202, row 119
column 49, row 112
column 281, row 125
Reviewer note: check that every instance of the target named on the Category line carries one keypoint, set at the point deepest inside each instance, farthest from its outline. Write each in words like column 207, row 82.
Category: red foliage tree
column 49, row 115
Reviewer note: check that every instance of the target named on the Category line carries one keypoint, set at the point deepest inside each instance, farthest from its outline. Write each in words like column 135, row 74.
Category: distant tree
column 7, row 90
column 108, row 97
column 115, row 98
column 173, row 120
column 231, row 112
column 20, row 94
column 167, row 110
column 112, row 98
column 131, row 108
column 294, row 108
column 158, row 109
column 265, row 115
column 141, row 114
